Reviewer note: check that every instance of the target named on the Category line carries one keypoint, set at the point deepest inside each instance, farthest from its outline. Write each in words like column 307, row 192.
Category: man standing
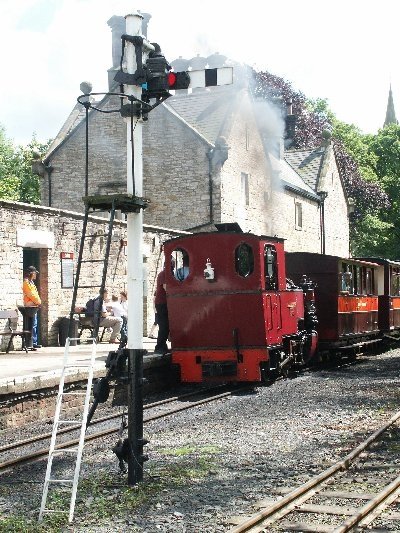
column 33, row 301
column 160, row 301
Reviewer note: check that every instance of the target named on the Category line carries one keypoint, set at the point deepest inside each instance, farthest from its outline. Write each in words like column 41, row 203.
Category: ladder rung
column 69, row 422
column 81, row 365
column 54, row 511
column 97, row 236
column 74, row 393
column 92, row 260
column 60, row 480
column 67, row 450
column 89, row 286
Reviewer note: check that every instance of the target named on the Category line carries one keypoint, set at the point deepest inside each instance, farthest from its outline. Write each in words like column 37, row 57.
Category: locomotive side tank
column 231, row 314
column 345, row 296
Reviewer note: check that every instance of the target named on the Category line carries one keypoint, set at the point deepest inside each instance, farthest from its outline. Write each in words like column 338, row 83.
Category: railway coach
column 388, row 290
column 346, row 299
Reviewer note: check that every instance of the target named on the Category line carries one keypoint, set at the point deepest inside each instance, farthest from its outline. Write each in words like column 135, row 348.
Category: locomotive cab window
column 244, row 260
column 270, row 268
column 180, row 264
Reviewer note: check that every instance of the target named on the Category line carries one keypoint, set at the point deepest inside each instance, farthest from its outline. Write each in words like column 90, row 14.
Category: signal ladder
column 126, row 203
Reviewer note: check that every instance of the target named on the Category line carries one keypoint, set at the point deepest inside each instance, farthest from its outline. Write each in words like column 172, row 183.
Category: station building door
column 31, row 257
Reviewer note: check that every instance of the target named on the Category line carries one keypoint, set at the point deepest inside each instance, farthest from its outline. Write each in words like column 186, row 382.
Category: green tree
column 17, row 182
column 385, row 147
column 369, row 230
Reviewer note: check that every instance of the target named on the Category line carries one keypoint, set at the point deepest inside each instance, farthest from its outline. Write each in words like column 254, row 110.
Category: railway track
column 6, row 465
column 324, row 499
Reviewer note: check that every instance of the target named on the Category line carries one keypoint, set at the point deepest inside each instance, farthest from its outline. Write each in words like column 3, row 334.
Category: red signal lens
column 171, row 79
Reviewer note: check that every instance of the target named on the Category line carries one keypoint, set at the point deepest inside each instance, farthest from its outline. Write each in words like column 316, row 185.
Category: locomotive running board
column 357, row 344
column 392, row 337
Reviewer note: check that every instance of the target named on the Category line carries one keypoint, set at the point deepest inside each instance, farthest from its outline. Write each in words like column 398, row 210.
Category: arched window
column 180, row 264
column 244, row 260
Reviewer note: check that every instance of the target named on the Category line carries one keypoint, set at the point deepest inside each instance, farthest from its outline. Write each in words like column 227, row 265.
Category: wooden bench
column 11, row 315
column 86, row 323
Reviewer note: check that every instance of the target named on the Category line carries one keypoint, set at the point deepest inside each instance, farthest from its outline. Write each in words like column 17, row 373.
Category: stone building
column 209, row 155
column 49, row 239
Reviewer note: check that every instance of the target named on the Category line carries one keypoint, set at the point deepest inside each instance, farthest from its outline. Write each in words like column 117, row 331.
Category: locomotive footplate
column 219, row 368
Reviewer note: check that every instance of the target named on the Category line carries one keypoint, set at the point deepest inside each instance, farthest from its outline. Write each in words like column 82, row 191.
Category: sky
column 344, row 51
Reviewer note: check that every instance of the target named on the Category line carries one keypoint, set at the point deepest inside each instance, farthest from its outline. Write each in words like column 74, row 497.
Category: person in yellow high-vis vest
column 31, row 299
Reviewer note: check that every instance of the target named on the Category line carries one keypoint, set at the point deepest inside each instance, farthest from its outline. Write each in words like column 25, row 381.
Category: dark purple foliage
column 309, row 125
column 368, row 197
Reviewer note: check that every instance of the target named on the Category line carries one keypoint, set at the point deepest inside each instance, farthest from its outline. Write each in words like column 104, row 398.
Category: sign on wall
column 67, row 270
column 35, row 238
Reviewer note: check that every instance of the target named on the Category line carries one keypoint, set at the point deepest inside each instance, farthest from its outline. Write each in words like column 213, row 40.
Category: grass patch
column 104, row 496
column 186, row 450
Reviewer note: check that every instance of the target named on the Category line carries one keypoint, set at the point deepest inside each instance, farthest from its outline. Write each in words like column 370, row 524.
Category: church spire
column 390, row 112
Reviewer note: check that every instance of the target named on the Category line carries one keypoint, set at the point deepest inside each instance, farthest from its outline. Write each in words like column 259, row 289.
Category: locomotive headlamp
column 209, row 273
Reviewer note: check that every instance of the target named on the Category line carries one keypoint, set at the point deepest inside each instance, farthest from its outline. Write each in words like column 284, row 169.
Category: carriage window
column 394, row 281
column 271, row 268
column 369, row 281
column 180, row 264
column 357, row 280
column 244, row 260
column 346, row 279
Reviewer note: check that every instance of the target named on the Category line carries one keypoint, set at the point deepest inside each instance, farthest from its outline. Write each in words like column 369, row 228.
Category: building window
column 298, row 215
column 245, row 188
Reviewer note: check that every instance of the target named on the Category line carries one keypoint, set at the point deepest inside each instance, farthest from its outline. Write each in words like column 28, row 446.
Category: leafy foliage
column 310, row 122
column 17, row 182
column 357, row 163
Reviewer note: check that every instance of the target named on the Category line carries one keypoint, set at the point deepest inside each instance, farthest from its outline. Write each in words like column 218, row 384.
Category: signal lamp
column 178, row 80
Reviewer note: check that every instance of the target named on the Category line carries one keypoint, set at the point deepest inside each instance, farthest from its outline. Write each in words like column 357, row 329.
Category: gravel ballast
column 212, row 463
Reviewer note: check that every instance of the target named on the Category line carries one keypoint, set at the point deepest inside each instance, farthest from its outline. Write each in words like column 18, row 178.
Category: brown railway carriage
column 346, row 295
column 388, row 289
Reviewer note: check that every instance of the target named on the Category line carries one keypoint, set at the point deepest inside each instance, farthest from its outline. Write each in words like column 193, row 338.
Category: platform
column 22, row 372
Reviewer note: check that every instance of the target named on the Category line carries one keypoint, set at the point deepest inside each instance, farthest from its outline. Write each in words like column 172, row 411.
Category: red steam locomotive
column 240, row 309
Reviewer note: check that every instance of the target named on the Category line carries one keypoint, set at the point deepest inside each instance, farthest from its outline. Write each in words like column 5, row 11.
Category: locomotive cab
column 232, row 315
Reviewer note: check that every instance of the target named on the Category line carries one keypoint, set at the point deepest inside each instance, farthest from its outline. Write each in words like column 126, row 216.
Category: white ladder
column 77, row 450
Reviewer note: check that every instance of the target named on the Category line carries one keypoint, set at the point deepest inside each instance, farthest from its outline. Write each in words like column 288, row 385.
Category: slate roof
column 205, row 111
column 76, row 116
column 307, row 163
column 290, row 177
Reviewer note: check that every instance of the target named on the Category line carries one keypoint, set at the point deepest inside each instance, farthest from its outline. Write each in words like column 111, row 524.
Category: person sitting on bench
column 106, row 318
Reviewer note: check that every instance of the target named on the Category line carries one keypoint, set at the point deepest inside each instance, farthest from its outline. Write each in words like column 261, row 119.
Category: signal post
column 147, row 76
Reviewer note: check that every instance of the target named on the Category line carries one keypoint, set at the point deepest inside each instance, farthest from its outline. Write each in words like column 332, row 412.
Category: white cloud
column 345, row 51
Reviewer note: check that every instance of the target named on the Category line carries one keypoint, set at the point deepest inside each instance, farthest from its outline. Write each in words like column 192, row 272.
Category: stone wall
column 246, row 156
column 335, row 210
column 67, row 227
column 283, row 223
column 175, row 168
